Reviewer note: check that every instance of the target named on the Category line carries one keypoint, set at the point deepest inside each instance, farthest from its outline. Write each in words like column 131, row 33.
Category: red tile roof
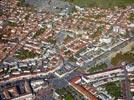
column 82, row 90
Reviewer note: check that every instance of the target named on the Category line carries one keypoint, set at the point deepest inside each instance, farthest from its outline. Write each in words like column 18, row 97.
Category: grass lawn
column 120, row 57
column 131, row 17
column 24, row 54
column 102, row 3
column 11, row 23
column 97, row 68
column 69, row 97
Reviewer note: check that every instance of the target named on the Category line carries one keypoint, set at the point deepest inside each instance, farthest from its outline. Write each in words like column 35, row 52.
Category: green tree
column 113, row 89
